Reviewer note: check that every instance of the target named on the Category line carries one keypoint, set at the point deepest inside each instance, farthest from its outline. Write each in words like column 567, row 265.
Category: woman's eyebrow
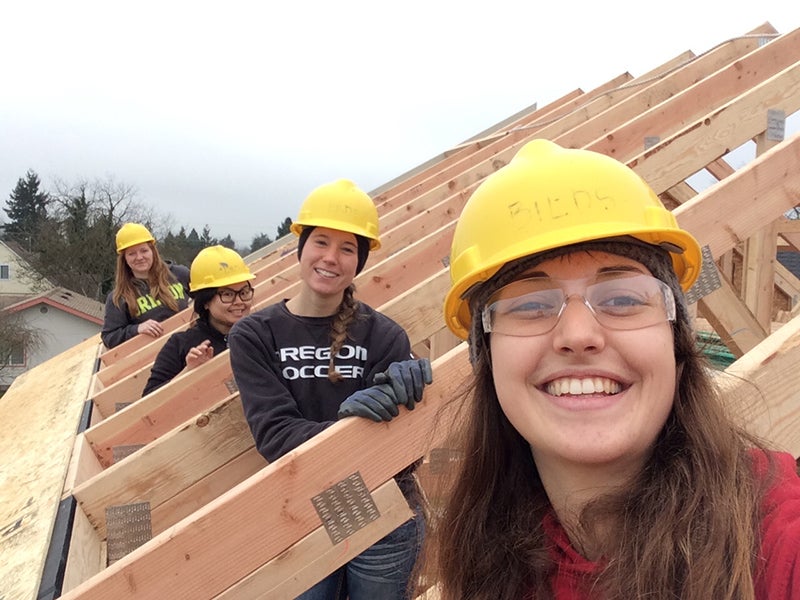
column 529, row 274
column 631, row 268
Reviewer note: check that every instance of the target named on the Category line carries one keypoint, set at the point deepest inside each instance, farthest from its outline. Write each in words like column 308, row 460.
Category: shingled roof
column 66, row 300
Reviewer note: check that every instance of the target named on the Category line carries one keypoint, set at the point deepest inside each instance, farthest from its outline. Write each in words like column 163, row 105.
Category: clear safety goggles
column 617, row 299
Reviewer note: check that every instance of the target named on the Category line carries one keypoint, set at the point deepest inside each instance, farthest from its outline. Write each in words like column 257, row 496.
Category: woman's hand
column 151, row 327
column 198, row 355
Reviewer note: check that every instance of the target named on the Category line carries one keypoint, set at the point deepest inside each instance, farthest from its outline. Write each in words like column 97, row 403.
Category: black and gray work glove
column 408, row 379
column 378, row 403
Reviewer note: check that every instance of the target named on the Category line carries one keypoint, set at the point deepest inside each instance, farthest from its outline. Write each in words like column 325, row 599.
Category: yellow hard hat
column 217, row 266
column 340, row 205
column 131, row 234
column 548, row 197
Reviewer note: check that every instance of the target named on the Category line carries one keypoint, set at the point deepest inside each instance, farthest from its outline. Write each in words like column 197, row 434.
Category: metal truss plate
column 345, row 507
column 708, row 280
column 128, row 527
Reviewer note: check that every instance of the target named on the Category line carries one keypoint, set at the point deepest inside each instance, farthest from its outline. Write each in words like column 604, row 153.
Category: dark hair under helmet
column 363, row 247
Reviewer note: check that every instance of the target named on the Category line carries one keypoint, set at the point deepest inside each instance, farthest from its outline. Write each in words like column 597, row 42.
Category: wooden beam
column 789, row 226
column 668, row 104
column 210, row 550
column 731, row 211
column 763, row 391
column 738, row 329
column 696, row 100
column 165, row 408
column 681, row 192
column 787, row 283
column 708, row 138
column 720, row 169
column 758, row 273
column 294, row 571
column 160, row 470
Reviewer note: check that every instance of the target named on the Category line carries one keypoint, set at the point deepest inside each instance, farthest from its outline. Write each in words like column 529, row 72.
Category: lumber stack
column 224, row 523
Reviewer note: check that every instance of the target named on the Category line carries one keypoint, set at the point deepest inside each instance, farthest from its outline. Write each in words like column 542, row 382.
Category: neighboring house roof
column 17, row 254
column 66, row 300
column 15, row 247
column 9, row 299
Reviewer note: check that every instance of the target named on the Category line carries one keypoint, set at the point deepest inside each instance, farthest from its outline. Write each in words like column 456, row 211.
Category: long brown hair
column 343, row 317
column 159, row 279
column 686, row 527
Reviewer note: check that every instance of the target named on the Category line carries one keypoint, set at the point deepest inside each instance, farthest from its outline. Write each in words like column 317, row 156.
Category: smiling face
column 222, row 316
column 328, row 262
column 140, row 259
column 581, row 393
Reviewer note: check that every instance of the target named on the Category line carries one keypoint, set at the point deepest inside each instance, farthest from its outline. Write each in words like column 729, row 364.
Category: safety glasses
column 621, row 300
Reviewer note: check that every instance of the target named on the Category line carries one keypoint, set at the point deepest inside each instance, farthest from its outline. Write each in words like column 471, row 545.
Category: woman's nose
column 331, row 255
column 577, row 329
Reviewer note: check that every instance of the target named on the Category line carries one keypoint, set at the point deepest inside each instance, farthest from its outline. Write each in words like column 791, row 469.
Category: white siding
column 60, row 331
column 16, row 284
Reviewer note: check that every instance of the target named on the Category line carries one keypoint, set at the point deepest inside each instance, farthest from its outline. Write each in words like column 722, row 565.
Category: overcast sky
column 229, row 113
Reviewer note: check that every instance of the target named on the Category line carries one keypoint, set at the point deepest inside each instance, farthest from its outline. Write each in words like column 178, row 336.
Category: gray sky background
column 227, row 114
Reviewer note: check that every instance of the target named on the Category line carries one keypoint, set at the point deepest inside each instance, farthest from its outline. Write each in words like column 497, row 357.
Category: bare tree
column 76, row 242
column 16, row 337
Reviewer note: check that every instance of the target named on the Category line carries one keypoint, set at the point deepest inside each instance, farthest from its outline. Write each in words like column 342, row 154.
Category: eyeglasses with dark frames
column 227, row 295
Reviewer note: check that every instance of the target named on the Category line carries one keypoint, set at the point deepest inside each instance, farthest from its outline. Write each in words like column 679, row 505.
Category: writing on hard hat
column 548, row 197
column 131, row 234
column 340, row 205
column 217, row 266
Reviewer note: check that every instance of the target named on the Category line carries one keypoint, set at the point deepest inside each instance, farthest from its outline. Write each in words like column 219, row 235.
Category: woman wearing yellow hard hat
column 305, row 362
column 222, row 294
column 147, row 289
column 598, row 459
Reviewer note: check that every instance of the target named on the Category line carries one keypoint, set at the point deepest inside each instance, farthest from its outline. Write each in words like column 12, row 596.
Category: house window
column 4, row 272
column 16, row 357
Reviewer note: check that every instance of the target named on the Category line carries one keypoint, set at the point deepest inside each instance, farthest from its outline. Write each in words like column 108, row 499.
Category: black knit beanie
column 656, row 259
column 363, row 247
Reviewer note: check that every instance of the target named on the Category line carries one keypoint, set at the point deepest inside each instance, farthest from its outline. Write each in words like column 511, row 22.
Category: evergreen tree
column 228, row 242
column 178, row 248
column 193, row 240
column 283, row 228
column 206, row 240
column 259, row 241
column 27, row 211
column 74, row 243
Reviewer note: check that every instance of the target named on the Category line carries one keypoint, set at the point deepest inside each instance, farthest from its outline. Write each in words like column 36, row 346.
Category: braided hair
column 348, row 307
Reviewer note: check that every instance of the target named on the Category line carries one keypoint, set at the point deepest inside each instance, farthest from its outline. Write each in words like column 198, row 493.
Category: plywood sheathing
column 40, row 420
